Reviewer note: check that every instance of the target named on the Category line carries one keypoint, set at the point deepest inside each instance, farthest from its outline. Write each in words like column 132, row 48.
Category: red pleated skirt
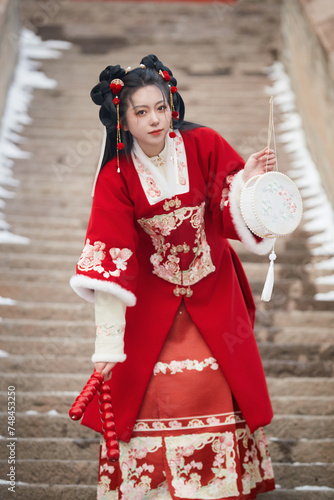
column 190, row 440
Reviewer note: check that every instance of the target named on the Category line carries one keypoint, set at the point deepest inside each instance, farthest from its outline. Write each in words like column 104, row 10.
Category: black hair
column 146, row 74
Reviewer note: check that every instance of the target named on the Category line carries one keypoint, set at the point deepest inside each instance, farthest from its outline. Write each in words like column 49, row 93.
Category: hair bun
column 112, row 72
column 151, row 61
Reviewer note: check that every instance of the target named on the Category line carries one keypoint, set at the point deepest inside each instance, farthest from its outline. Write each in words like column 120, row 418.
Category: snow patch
column 3, row 354
column 27, row 77
column 313, row 488
column 318, row 211
column 53, row 412
column 5, row 301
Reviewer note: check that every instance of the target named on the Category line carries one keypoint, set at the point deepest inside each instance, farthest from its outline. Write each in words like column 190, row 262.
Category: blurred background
column 228, row 59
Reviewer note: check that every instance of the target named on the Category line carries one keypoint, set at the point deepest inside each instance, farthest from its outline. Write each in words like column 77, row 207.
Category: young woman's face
column 148, row 119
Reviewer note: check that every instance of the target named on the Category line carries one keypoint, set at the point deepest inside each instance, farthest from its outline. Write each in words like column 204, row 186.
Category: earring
column 172, row 90
column 116, row 86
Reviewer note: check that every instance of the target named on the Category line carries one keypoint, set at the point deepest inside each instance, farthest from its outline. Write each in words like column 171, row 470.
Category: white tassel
column 269, row 283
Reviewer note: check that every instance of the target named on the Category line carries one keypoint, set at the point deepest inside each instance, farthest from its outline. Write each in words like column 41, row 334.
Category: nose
column 154, row 118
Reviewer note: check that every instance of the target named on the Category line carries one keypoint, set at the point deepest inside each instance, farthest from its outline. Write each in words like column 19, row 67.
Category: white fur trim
column 116, row 358
column 85, row 287
column 246, row 236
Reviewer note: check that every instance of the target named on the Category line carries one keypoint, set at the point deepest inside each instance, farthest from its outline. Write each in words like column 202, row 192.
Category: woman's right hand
column 104, row 368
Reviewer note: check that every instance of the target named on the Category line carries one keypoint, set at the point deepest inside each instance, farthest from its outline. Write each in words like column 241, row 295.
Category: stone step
column 74, row 381
column 85, row 472
column 55, row 424
column 45, row 292
column 53, row 359
column 35, row 276
column 51, row 449
column 58, row 471
column 47, row 328
column 285, row 451
column 53, row 362
column 28, row 260
column 51, row 492
column 47, row 310
column 269, row 351
column 303, row 405
column 44, row 401
column 83, row 492
column 286, row 368
column 302, row 450
column 310, row 336
column 46, row 222
column 300, row 386
column 282, row 319
column 298, row 474
column 51, row 210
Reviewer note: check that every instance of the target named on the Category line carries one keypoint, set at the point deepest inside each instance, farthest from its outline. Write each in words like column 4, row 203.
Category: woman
column 188, row 388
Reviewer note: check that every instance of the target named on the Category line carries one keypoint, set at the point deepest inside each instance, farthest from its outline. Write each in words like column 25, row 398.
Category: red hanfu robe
column 153, row 250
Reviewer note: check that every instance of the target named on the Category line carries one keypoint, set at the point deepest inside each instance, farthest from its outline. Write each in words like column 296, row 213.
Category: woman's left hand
column 258, row 163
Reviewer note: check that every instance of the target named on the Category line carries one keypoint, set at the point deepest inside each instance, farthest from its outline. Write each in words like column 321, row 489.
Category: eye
column 162, row 107
column 140, row 112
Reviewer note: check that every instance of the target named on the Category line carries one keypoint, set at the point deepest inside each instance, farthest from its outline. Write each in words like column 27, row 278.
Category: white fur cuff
column 85, row 287
column 112, row 358
column 246, row 236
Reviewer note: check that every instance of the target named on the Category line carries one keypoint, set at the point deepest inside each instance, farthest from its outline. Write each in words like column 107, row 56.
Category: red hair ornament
column 116, row 86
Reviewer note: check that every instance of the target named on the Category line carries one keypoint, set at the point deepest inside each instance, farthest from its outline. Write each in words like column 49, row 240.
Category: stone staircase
column 49, row 332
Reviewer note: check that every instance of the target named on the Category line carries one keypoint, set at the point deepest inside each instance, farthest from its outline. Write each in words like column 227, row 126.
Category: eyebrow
column 145, row 106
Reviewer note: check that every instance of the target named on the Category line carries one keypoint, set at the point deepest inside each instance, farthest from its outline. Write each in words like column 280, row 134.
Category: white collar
column 155, row 185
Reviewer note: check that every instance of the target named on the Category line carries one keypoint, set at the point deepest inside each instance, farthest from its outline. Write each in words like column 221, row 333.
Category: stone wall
column 9, row 36
column 308, row 53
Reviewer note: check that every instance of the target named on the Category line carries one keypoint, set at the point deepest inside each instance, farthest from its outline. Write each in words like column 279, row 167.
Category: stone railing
column 308, row 53
column 10, row 25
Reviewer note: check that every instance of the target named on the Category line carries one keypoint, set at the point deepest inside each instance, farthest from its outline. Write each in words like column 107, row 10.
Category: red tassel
column 94, row 384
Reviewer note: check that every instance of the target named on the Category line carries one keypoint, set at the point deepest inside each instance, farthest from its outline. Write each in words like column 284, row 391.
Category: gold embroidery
column 174, row 203
column 166, row 260
column 183, row 291
column 179, row 248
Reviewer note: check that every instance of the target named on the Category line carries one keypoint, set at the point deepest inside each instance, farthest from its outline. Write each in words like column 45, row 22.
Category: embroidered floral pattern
column 189, row 364
column 185, row 459
column 278, row 212
column 181, row 164
column 136, row 478
column 165, row 264
column 119, row 258
column 147, row 180
column 107, row 330
column 188, row 423
column 255, row 457
column 224, row 198
column 200, row 465
column 93, row 255
column 157, row 187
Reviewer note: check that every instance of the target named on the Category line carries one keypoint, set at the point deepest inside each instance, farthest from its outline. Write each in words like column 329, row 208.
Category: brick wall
column 308, row 53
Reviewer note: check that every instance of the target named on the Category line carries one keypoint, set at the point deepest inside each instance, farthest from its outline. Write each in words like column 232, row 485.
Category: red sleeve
column 224, row 181
column 108, row 261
